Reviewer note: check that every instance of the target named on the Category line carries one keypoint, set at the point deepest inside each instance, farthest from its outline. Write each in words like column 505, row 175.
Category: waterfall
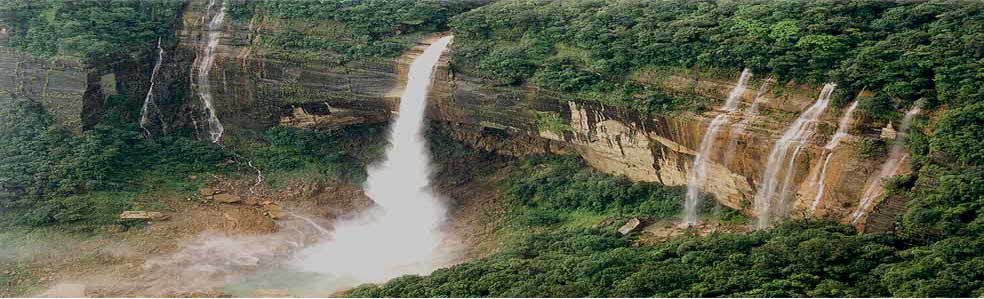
column 896, row 155
column 698, row 176
column 739, row 128
column 777, row 180
column 754, row 109
column 842, row 127
column 202, row 67
column 401, row 234
column 149, row 99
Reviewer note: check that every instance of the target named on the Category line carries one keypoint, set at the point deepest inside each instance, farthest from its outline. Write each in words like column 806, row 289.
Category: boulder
column 227, row 198
column 143, row 215
column 630, row 226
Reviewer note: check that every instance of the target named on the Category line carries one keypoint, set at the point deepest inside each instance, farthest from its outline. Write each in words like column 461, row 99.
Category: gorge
column 555, row 149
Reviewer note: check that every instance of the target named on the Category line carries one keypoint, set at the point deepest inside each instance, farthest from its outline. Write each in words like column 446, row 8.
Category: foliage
column 354, row 29
column 959, row 134
column 902, row 51
column 342, row 154
column 566, row 184
column 870, row 148
column 48, row 175
column 94, row 30
column 798, row 259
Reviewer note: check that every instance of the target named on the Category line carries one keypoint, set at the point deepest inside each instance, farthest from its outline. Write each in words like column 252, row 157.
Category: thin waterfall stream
column 202, row 67
column 149, row 99
column 739, row 128
column 842, row 128
column 896, row 155
column 772, row 193
column 698, row 176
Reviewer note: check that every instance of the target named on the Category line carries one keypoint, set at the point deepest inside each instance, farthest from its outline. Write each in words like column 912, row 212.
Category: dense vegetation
column 555, row 243
column 50, row 176
column 553, row 190
column 794, row 260
column 598, row 49
column 92, row 30
column 347, row 30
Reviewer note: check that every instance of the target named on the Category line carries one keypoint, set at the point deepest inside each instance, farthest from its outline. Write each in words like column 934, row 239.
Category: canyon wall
column 624, row 141
column 73, row 93
column 256, row 88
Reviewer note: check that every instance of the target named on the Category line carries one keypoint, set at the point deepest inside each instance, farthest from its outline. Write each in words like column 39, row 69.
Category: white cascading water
column 401, row 234
column 776, row 180
column 739, row 128
column 896, row 155
column 202, row 67
column 754, row 109
column 698, row 176
column 842, row 127
column 149, row 99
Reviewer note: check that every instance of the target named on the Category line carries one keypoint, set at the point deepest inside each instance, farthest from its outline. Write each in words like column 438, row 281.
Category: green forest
column 595, row 50
column 548, row 242
column 92, row 31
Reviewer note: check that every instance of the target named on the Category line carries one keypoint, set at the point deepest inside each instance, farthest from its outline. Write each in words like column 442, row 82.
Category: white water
column 202, row 67
column 754, row 109
column 739, row 128
column 774, row 189
column 896, row 155
column 401, row 234
column 149, row 99
column 698, row 177
column 842, row 127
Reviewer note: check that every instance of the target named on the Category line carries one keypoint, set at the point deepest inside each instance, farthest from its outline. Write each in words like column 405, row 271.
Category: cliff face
column 256, row 87
column 72, row 93
column 661, row 149
column 76, row 94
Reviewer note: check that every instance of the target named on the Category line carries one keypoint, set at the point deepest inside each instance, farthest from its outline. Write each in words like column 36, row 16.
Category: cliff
column 256, row 87
column 623, row 141
column 75, row 94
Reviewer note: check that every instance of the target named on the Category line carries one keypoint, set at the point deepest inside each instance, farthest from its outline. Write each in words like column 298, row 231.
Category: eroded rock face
column 661, row 149
column 253, row 87
column 75, row 94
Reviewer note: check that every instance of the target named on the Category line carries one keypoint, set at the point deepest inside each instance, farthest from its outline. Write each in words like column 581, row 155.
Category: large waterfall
column 842, row 127
column 896, row 155
column 780, row 171
column 401, row 234
column 698, row 176
column 202, row 67
column 149, row 102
